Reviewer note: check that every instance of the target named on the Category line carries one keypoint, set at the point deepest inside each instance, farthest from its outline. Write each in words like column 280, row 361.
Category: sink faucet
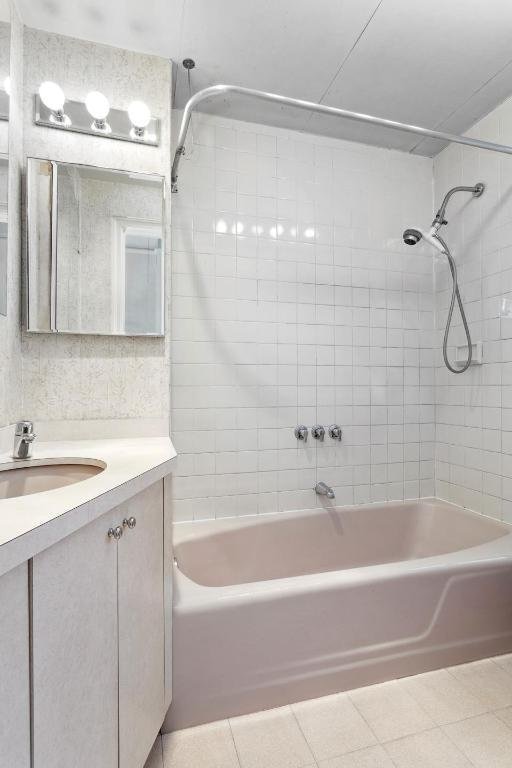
column 324, row 490
column 24, row 436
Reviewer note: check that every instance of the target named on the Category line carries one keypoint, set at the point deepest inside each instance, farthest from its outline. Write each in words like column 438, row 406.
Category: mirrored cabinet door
column 95, row 250
column 5, row 87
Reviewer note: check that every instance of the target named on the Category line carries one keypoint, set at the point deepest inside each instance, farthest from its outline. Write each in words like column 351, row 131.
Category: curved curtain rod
column 219, row 90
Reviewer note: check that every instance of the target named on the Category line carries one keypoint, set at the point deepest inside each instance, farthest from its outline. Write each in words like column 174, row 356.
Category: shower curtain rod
column 219, row 90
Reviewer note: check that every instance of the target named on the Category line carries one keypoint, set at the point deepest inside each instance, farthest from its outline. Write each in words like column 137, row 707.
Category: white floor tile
column 487, row 681
column 504, row 662
column 430, row 749
column 443, row 697
column 372, row 757
column 485, row 740
column 207, row 746
column 270, row 739
column 390, row 711
column 333, row 726
column 505, row 715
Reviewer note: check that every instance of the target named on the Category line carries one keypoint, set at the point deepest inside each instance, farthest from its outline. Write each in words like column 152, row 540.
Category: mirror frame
column 32, row 257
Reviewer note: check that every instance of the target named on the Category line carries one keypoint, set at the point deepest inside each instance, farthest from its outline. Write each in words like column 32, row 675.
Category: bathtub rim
column 191, row 594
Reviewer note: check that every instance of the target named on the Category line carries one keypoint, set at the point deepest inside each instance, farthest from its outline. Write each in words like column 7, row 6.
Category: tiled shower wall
column 474, row 410
column 295, row 301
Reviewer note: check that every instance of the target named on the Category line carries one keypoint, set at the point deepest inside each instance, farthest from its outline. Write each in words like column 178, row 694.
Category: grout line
column 234, row 742
column 443, row 729
column 303, row 736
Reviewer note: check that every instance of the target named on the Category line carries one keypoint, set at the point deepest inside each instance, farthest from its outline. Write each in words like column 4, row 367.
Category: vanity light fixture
column 98, row 107
column 132, row 124
column 52, row 96
column 140, row 117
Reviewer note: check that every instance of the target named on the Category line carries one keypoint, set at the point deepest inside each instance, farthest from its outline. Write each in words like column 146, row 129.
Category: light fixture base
column 79, row 121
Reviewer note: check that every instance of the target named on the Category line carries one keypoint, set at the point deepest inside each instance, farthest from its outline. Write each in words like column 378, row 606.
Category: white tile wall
column 474, row 424
column 295, row 301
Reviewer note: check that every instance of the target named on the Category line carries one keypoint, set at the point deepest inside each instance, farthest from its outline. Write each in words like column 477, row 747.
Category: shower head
column 414, row 235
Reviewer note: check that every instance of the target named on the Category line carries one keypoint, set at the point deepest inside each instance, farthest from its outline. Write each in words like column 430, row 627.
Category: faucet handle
column 25, row 429
column 335, row 432
column 301, row 432
column 318, row 432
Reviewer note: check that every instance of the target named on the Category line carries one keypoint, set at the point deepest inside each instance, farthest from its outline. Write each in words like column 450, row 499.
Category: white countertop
column 31, row 523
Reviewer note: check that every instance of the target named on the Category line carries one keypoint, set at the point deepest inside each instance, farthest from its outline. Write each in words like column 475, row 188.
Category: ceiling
column 438, row 63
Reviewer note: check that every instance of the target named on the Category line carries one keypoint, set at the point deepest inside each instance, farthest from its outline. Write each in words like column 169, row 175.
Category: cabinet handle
column 131, row 522
column 115, row 533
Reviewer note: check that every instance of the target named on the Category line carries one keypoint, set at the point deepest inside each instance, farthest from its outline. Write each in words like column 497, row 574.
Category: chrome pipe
column 311, row 106
column 475, row 190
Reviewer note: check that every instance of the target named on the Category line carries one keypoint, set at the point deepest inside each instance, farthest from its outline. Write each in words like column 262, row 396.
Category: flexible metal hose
column 455, row 295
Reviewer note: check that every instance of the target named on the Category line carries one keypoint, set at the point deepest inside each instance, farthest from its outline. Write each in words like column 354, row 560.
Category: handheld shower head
column 414, row 235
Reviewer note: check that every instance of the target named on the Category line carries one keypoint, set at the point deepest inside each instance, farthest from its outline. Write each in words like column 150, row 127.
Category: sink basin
column 34, row 478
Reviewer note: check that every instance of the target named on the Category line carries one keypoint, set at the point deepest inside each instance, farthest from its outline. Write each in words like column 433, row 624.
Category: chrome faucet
column 324, row 490
column 24, row 436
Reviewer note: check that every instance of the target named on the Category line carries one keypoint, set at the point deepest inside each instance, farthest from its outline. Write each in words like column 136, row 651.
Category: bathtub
column 273, row 609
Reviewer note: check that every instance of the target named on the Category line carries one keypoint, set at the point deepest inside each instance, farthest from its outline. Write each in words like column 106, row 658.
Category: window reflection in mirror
column 95, row 250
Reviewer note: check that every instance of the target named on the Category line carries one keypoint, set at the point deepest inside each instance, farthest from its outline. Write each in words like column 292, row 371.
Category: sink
column 44, row 476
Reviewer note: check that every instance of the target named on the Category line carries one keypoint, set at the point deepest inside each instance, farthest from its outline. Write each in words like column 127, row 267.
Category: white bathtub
column 274, row 609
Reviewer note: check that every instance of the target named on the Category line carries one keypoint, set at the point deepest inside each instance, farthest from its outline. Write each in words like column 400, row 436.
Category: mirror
column 5, row 49
column 95, row 250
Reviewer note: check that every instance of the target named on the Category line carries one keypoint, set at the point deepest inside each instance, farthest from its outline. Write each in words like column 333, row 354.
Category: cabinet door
column 74, row 650
column 168, row 592
column 14, row 669
column 141, row 627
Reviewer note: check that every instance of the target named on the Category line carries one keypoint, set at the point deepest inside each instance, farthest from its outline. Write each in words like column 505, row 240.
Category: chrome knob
column 130, row 522
column 301, row 432
column 318, row 432
column 335, row 432
column 115, row 533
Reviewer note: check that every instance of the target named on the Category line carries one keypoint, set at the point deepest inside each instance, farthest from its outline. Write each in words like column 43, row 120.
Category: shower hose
column 455, row 295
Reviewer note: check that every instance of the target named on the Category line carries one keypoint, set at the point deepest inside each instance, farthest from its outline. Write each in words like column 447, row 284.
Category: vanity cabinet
column 98, row 640
column 14, row 669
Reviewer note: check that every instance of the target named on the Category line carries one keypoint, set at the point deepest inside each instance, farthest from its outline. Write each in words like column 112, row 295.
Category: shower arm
column 439, row 218
column 311, row 106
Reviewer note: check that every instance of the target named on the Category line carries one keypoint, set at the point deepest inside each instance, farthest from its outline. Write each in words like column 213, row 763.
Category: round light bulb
column 139, row 114
column 52, row 96
column 7, row 85
column 97, row 105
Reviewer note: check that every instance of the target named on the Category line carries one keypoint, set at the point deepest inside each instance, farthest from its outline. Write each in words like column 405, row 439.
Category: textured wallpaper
column 79, row 377
column 10, row 354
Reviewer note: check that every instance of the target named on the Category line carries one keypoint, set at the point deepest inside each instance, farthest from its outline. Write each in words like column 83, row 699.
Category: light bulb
column 139, row 115
column 52, row 96
column 7, row 85
column 97, row 105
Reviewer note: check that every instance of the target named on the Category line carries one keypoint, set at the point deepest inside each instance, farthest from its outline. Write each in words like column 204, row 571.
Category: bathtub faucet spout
column 324, row 490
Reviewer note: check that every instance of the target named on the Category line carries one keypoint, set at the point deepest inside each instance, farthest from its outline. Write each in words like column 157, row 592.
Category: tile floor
column 460, row 717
